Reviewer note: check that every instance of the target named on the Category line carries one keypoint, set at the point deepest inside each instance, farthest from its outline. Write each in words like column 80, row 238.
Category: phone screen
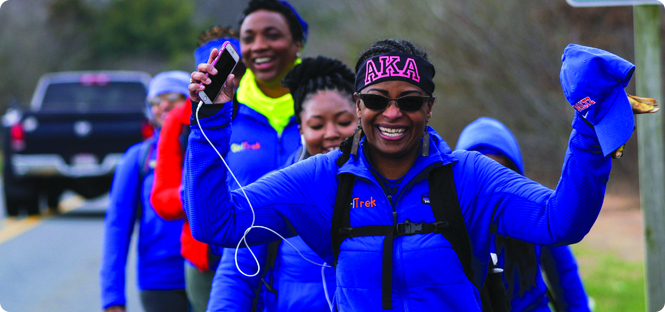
column 224, row 66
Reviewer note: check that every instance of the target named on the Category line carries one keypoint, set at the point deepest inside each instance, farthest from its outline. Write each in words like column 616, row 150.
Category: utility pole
column 646, row 19
column 651, row 153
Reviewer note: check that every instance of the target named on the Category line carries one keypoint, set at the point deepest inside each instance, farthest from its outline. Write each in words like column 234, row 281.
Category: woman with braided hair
column 406, row 221
column 322, row 90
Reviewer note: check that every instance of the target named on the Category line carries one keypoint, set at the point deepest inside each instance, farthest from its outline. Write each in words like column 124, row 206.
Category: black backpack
column 449, row 222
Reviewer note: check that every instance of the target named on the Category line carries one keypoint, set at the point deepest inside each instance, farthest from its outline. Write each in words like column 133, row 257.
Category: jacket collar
column 440, row 153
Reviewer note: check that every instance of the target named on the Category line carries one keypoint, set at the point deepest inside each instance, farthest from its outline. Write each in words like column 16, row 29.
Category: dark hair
column 295, row 27
column 390, row 45
column 216, row 32
column 317, row 74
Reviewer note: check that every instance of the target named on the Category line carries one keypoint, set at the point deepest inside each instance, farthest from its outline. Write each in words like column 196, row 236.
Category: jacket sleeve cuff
column 212, row 115
column 584, row 127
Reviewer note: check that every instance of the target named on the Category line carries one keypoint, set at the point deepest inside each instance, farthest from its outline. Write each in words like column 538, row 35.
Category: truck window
column 112, row 96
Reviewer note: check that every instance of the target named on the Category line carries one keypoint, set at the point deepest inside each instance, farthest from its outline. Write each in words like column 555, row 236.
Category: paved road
column 52, row 263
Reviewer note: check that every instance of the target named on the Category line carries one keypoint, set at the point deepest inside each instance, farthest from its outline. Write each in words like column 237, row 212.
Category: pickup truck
column 77, row 128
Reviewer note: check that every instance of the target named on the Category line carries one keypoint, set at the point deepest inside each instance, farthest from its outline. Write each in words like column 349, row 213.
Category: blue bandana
column 303, row 24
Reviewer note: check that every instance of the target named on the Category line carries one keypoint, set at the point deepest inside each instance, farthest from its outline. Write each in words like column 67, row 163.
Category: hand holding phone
column 213, row 83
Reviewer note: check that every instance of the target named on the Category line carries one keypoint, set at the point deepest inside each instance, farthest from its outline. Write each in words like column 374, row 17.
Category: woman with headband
column 322, row 90
column 272, row 35
column 394, row 201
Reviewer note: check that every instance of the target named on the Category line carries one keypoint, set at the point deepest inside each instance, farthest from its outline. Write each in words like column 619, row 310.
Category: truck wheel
column 11, row 206
column 15, row 201
column 18, row 194
column 32, row 205
column 53, row 199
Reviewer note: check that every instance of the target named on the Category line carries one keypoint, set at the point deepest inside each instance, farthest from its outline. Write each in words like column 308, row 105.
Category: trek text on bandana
column 396, row 66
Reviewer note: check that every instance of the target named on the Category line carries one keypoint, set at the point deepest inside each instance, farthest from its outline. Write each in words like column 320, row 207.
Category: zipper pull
column 394, row 217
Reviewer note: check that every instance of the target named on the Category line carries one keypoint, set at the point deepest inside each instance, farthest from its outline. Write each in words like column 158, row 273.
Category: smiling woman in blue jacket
column 411, row 267
column 522, row 262
column 322, row 90
column 160, row 271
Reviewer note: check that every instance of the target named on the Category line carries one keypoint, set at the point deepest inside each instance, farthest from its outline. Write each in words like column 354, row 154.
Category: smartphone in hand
column 225, row 62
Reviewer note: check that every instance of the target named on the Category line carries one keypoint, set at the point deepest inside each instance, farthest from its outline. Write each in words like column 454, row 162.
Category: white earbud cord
column 258, row 266
column 325, row 286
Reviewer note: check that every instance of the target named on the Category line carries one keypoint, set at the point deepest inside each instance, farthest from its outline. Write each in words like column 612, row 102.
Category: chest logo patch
column 245, row 146
column 357, row 203
column 425, row 200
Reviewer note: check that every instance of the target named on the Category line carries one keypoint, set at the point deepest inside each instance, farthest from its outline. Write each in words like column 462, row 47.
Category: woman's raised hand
column 200, row 79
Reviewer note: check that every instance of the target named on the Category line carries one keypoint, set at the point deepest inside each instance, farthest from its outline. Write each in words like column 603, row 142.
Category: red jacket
column 165, row 195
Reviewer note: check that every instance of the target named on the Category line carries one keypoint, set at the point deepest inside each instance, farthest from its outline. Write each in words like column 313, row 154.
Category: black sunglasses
column 408, row 103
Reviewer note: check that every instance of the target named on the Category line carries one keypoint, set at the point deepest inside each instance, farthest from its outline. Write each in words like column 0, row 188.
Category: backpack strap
column 146, row 151
column 446, row 208
column 271, row 257
column 341, row 229
column 341, row 214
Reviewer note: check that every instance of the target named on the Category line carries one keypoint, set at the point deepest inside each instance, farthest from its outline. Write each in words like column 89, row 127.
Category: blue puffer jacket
column 160, row 266
column 427, row 273
column 298, row 283
column 255, row 149
column 489, row 136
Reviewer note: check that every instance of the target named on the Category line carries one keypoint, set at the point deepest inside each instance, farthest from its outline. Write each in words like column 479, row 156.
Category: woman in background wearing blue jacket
column 160, row 274
column 272, row 34
column 522, row 262
column 407, row 269
column 322, row 90
column 265, row 130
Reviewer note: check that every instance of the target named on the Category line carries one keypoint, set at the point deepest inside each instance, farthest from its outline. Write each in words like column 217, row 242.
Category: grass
column 613, row 283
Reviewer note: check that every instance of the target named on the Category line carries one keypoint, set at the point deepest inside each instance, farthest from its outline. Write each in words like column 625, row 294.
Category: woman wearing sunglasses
column 322, row 90
column 411, row 265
